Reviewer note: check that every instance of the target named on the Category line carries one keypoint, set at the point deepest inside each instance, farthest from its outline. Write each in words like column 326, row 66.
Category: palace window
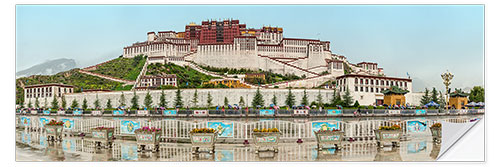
column 371, row 89
column 355, row 88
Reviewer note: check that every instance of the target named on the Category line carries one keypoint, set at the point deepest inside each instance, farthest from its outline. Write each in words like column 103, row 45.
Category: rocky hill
column 48, row 68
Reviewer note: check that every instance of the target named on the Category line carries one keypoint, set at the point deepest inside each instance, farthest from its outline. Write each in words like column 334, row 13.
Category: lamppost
column 447, row 77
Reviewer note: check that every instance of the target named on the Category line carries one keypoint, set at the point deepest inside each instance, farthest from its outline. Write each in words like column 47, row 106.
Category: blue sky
column 423, row 40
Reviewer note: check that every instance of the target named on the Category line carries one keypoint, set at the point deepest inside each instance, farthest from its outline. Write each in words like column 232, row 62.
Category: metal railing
column 292, row 129
column 282, row 112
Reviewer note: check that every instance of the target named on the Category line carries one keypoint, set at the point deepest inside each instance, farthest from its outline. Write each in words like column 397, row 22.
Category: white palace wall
column 243, row 59
column 233, row 95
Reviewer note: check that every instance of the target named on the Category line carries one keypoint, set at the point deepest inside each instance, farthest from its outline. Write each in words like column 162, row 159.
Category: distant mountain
column 48, row 68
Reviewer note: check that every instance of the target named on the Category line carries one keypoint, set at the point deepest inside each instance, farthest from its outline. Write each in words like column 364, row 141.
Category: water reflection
column 418, row 147
column 327, row 155
column 388, row 154
column 54, row 151
column 127, row 151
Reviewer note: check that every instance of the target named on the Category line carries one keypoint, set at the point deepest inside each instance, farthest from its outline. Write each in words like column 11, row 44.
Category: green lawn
column 123, row 68
column 186, row 76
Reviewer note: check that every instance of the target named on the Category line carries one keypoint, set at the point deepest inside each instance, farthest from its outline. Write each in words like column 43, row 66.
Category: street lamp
column 447, row 77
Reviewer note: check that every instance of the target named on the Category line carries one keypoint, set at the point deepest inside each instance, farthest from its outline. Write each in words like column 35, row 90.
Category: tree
column 356, row 104
column 148, row 100
column 347, row 98
column 434, row 95
column 258, row 99
column 274, row 99
column 425, row 98
column 304, row 101
column 195, row 98
column 63, row 102
column 97, row 104
column 242, row 102
column 163, row 101
column 209, row 100
column 337, row 100
column 134, row 102
column 178, row 98
column 476, row 94
column 84, row 105
column 108, row 104
column 226, row 101
column 122, row 100
column 55, row 104
column 290, row 98
column 29, row 104
column 319, row 99
column 441, row 100
column 74, row 104
column 332, row 101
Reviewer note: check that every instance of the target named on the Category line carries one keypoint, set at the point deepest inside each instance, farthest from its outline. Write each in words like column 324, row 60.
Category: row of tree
column 476, row 95
column 344, row 100
column 432, row 96
column 258, row 100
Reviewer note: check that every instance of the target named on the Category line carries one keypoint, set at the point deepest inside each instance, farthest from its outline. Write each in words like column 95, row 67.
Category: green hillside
column 186, row 76
column 123, row 68
column 71, row 77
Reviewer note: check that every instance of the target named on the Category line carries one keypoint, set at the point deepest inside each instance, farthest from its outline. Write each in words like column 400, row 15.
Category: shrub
column 54, row 122
column 270, row 130
column 333, row 130
column 438, row 125
column 393, row 127
column 203, row 130
column 148, row 129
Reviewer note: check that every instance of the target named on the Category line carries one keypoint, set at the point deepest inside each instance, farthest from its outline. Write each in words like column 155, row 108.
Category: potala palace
column 231, row 44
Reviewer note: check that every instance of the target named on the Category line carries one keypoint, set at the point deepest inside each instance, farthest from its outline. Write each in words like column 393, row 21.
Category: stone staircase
column 94, row 67
column 143, row 72
column 127, row 82
column 309, row 82
column 289, row 65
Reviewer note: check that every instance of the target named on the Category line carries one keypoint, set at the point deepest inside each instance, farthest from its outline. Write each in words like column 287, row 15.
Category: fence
column 237, row 129
column 311, row 112
column 127, row 151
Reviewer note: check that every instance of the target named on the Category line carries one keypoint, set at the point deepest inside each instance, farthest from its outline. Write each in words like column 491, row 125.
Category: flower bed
column 148, row 137
column 436, row 132
column 390, row 134
column 329, row 137
column 266, row 138
column 103, row 136
column 54, row 130
column 203, row 137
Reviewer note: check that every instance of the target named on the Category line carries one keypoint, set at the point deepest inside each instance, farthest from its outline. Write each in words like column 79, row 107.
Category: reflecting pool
column 359, row 143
